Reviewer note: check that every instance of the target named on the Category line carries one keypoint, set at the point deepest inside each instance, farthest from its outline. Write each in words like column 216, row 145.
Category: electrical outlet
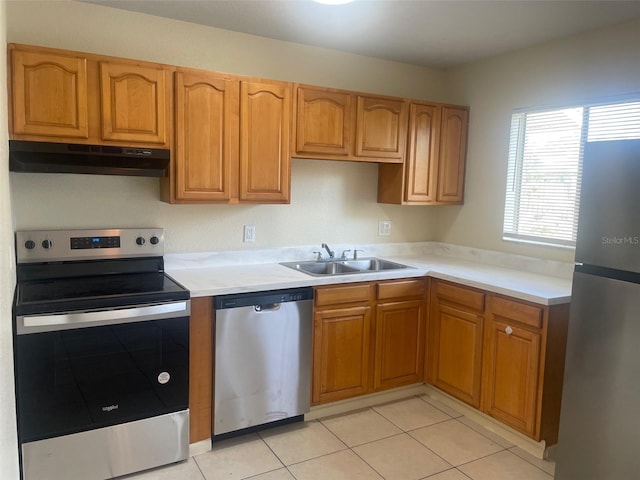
column 249, row 233
column 384, row 228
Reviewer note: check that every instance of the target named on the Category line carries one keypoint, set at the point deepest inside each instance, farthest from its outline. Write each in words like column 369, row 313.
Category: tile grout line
column 406, row 432
column 346, row 447
column 502, row 448
column 530, row 463
column 204, row 477
column 402, row 431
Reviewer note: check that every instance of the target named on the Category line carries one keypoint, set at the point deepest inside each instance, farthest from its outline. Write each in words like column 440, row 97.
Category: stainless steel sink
column 374, row 264
column 344, row 267
column 321, row 268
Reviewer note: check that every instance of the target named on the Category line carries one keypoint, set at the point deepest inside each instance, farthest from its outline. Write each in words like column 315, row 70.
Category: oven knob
column 29, row 244
column 47, row 244
column 140, row 240
column 154, row 240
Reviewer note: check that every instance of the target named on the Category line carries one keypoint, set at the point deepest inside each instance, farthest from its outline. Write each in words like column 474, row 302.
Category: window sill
column 540, row 243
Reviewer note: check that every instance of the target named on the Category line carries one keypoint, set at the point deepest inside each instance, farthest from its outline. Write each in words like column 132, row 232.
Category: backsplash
column 407, row 249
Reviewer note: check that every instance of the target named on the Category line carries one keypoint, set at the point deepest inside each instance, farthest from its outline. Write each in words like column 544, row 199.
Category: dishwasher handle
column 267, row 307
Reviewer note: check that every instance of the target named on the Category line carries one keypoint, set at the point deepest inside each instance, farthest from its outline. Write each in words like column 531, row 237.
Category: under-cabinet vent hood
column 45, row 157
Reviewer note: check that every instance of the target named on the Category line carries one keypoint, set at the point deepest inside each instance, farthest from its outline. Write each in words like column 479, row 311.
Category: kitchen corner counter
column 208, row 275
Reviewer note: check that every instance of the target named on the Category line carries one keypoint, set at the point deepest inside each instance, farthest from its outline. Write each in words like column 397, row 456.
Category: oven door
column 79, row 371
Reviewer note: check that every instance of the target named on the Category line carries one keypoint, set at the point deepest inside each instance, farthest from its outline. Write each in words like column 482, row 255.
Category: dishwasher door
column 262, row 358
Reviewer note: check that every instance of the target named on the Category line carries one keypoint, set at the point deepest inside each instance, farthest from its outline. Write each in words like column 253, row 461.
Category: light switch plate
column 384, row 228
column 249, row 233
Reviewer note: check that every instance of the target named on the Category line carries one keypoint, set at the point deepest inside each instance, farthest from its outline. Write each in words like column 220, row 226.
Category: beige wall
column 586, row 67
column 8, row 440
column 331, row 201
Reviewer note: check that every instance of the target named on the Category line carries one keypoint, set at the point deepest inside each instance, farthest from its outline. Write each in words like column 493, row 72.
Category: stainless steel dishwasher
column 262, row 358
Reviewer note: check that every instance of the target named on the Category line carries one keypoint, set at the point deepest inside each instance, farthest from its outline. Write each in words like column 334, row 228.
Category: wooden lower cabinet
column 341, row 353
column 523, row 366
column 512, row 369
column 455, row 341
column 399, row 348
column 367, row 337
column 501, row 355
column 456, row 353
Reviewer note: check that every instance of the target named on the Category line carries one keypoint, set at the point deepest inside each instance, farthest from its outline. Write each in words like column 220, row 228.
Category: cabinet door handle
column 508, row 330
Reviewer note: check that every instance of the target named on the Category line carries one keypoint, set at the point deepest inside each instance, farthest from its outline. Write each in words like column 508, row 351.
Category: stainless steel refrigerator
column 599, row 436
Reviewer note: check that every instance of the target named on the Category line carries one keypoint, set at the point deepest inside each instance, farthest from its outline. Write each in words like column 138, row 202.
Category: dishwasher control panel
column 263, row 298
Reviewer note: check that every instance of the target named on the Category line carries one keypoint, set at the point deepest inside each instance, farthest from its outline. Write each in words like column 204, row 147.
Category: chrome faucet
column 329, row 251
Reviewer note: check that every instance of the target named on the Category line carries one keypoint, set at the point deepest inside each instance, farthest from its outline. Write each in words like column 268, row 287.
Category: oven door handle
column 61, row 321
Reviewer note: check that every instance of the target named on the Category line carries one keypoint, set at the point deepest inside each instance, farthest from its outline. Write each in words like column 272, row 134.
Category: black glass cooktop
column 94, row 292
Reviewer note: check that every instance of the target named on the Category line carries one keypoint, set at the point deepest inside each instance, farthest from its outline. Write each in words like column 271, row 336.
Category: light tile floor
column 412, row 439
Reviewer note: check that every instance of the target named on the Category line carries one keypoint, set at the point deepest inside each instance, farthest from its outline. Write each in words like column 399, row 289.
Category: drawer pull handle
column 508, row 330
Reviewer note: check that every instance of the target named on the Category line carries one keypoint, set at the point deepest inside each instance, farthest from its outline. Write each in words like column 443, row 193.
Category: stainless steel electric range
column 101, row 345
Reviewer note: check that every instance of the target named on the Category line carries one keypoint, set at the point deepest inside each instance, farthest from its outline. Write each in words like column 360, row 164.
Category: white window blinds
column 544, row 167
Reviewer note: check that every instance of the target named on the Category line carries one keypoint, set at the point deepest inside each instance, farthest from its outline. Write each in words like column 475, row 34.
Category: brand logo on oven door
column 109, row 408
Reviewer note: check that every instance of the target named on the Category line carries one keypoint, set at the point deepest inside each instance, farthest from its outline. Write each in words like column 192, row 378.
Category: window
column 545, row 162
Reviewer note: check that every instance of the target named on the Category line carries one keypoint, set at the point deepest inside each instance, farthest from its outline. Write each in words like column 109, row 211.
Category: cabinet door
column 453, row 151
column 399, row 348
column 455, row 352
column 421, row 168
column 511, row 378
column 381, row 126
column 49, row 94
column 265, row 121
column 341, row 353
column 324, row 121
column 207, row 126
column 134, row 103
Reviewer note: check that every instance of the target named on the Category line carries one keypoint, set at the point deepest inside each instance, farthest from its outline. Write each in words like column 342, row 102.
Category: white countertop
column 211, row 278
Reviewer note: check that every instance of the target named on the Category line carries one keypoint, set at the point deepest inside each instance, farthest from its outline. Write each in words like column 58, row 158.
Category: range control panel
column 62, row 245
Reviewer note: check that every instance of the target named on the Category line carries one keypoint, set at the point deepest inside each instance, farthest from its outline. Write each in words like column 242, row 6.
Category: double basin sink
column 324, row 268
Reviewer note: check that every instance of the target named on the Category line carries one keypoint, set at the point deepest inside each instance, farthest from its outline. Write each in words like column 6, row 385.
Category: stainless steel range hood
column 45, row 157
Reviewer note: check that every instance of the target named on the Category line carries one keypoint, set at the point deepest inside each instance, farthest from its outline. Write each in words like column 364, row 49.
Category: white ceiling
column 432, row 33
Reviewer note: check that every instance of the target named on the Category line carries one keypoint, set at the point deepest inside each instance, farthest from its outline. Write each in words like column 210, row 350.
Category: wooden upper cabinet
column 207, row 133
column 421, row 169
column 324, row 121
column 453, row 151
column 48, row 95
column 232, row 140
column 134, row 103
column 342, row 125
column 72, row 97
column 433, row 173
column 381, row 128
column 265, row 120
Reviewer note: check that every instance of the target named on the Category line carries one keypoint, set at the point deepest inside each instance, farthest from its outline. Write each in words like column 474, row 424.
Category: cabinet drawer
column 517, row 311
column 460, row 295
column 403, row 288
column 341, row 294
